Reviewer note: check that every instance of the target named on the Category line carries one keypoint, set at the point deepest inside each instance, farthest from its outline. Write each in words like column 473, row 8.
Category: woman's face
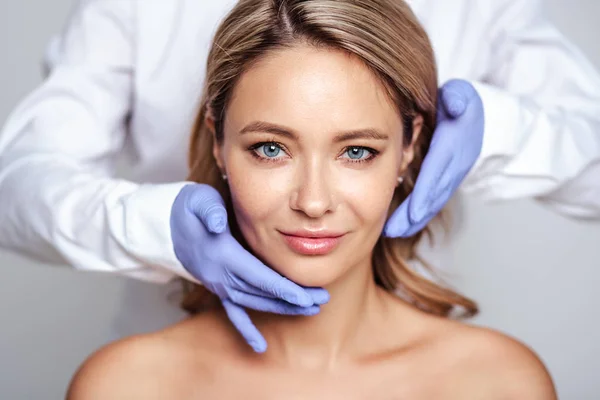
column 312, row 150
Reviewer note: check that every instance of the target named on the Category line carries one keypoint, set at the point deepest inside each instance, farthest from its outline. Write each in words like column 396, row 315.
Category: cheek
column 368, row 193
column 257, row 193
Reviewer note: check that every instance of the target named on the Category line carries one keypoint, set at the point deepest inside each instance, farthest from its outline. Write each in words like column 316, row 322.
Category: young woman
column 314, row 121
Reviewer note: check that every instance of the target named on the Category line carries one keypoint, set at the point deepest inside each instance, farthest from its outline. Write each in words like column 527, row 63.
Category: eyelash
column 253, row 151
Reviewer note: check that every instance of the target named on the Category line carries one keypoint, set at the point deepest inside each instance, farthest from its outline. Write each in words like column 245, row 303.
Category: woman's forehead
column 307, row 86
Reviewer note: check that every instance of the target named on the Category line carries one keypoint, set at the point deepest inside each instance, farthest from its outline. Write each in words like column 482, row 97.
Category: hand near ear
column 454, row 149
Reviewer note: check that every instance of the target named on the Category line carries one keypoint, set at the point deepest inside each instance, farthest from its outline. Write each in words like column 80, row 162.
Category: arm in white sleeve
column 541, row 99
column 60, row 201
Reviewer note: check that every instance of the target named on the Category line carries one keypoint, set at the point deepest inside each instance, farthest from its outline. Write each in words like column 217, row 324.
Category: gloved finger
column 455, row 96
column 416, row 208
column 320, row 296
column 418, row 226
column 241, row 321
column 447, row 189
column 401, row 225
column 420, row 205
column 399, row 222
column 251, row 270
column 274, row 306
column 426, row 189
column 208, row 205
column 240, row 285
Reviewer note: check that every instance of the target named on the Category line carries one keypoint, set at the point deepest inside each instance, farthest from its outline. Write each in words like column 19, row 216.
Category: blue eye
column 357, row 153
column 270, row 149
column 267, row 150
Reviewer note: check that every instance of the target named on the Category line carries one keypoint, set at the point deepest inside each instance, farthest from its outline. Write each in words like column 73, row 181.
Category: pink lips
column 312, row 243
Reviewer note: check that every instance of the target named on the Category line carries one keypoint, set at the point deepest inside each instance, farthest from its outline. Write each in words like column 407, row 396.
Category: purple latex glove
column 204, row 245
column 455, row 146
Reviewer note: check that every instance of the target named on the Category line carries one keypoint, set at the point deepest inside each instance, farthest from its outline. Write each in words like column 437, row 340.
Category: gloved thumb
column 455, row 97
column 208, row 205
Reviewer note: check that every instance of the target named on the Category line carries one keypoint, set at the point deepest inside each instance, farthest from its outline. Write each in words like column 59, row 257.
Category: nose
column 313, row 195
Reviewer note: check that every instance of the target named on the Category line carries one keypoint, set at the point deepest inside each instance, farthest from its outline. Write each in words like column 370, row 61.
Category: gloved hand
column 455, row 146
column 204, row 246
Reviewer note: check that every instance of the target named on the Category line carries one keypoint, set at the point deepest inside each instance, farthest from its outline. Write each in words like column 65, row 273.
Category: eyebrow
column 267, row 127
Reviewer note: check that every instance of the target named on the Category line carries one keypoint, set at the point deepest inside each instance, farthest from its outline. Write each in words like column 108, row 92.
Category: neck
column 341, row 329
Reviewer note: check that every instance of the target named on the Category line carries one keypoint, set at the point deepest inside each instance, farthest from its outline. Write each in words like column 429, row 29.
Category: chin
column 308, row 271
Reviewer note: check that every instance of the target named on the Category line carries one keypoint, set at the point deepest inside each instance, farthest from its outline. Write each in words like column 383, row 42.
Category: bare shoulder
column 499, row 366
column 121, row 370
column 152, row 366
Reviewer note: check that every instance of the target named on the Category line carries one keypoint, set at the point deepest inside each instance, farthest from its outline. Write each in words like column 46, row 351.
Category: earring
column 224, row 177
column 400, row 179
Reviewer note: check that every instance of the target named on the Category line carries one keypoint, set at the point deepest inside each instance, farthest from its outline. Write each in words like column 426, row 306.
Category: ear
column 408, row 152
column 217, row 149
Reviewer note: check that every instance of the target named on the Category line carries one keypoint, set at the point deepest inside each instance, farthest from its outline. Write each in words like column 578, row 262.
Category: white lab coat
column 126, row 76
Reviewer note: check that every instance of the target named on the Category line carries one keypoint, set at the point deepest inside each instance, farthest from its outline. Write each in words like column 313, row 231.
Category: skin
column 312, row 183
column 365, row 343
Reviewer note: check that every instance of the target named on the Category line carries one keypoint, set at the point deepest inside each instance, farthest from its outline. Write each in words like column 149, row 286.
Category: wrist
column 148, row 227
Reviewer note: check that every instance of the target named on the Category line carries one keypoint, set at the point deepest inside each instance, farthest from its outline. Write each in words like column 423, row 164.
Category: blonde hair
column 386, row 36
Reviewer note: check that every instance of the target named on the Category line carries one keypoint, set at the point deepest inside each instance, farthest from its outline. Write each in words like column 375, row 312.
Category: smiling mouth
column 312, row 244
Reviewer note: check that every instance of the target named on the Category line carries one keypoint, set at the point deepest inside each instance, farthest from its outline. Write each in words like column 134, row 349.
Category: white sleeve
column 60, row 202
column 541, row 98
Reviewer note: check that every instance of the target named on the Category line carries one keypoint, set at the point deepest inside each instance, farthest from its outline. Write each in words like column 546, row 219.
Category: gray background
column 537, row 282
